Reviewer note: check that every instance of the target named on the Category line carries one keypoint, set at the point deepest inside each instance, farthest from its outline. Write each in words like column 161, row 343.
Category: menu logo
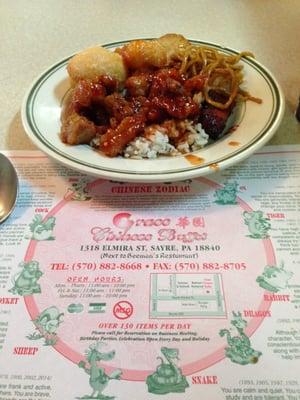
column 160, row 230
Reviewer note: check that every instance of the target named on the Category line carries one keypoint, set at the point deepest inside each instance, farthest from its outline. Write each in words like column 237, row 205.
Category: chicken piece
column 213, row 120
column 168, row 95
column 80, row 114
column 195, row 84
column 163, row 83
column 143, row 53
column 153, row 53
column 138, row 85
column 117, row 106
column 77, row 129
column 86, row 93
column 173, row 44
column 94, row 62
column 114, row 141
column 177, row 107
column 140, row 104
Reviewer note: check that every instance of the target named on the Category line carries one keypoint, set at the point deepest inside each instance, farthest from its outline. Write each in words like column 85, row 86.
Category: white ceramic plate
column 255, row 124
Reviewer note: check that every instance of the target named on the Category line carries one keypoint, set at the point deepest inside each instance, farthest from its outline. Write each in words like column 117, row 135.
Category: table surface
column 37, row 33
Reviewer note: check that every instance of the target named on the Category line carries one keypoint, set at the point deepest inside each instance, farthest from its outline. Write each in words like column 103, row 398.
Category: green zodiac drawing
column 26, row 281
column 168, row 377
column 79, row 190
column 274, row 278
column 239, row 348
column 258, row 225
column 98, row 378
column 41, row 230
column 47, row 324
column 227, row 194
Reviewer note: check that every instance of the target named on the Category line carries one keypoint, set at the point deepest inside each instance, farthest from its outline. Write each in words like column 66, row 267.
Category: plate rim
column 189, row 173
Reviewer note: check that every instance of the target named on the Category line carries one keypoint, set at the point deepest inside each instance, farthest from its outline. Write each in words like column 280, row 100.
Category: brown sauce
column 234, row 143
column 194, row 160
column 214, row 166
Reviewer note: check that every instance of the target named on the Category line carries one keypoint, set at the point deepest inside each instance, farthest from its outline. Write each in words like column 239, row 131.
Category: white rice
column 197, row 138
column 155, row 142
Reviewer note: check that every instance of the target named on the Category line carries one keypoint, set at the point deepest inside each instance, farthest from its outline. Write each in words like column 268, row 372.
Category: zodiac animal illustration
column 79, row 190
column 168, row 377
column 239, row 348
column 98, row 378
column 26, row 281
column 47, row 322
column 258, row 225
column 227, row 194
column 274, row 278
column 42, row 230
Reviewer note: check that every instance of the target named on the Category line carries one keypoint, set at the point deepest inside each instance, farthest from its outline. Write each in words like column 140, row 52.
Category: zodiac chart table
column 142, row 290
